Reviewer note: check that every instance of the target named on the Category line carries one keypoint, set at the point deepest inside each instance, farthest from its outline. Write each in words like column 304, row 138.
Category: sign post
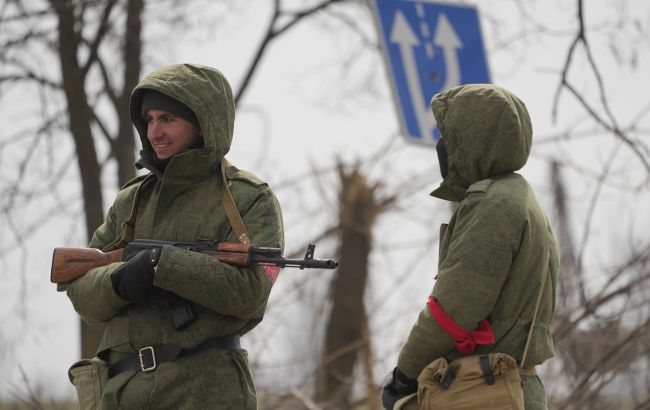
column 429, row 47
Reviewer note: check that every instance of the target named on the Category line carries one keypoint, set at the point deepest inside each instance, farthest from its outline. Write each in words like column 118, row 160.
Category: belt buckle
column 143, row 367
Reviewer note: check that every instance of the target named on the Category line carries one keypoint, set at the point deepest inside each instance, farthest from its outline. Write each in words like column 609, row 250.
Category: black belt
column 150, row 357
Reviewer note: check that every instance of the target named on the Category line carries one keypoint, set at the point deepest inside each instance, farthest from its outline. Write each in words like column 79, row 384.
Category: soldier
column 173, row 319
column 496, row 253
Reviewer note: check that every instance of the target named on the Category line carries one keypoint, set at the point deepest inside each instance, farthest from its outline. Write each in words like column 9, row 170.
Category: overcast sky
column 320, row 94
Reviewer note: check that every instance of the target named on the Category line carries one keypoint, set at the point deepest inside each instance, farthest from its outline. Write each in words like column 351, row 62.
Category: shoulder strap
column 532, row 324
column 229, row 206
column 126, row 232
column 238, row 226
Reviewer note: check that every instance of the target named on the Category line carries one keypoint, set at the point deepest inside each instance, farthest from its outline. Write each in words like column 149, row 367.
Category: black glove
column 396, row 386
column 134, row 280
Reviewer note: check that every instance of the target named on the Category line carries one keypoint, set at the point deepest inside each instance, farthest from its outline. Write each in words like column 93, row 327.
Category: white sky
column 316, row 108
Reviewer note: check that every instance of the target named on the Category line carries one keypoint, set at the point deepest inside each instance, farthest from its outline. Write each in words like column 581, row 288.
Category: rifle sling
column 232, row 213
column 532, row 324
column 230, row 207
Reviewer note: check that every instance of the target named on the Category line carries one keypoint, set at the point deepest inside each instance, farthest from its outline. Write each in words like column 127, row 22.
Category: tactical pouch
column 89, row 376
column 491, row 381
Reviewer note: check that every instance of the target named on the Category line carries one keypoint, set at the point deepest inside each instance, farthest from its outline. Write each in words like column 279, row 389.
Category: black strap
column 486, row 369
column 150, row 357
column 448, row 379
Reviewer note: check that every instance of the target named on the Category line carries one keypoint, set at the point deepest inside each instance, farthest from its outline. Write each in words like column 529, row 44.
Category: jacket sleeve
column 474, row 265
column 92, row 294
column 241, row 292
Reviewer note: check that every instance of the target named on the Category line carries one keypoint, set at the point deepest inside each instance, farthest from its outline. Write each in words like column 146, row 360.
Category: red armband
column 272, row 272
column 466, row 341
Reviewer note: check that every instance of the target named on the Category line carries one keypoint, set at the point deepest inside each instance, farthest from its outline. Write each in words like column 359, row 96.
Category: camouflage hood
column 487, row 132
column 207, row 93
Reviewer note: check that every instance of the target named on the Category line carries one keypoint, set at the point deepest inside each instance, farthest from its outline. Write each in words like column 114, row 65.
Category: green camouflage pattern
column 184, row 204
column 498, row 244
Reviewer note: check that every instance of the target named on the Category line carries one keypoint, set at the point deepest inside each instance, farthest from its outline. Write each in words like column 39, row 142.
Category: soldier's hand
column 396, row 386
column 134, row 279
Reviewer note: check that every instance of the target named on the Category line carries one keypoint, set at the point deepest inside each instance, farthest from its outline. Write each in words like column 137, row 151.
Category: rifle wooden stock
column 70, row 263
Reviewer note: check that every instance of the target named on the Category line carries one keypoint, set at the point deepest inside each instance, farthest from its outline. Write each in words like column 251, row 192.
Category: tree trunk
column 124, row 146
column 346, row 333
column 80, row 119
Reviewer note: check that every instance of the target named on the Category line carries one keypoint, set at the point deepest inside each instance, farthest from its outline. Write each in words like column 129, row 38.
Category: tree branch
column 99, row 36
column 581, row 39
column 272, row 33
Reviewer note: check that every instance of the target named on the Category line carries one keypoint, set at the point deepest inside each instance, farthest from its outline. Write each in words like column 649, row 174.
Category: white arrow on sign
column 446, row 38
column 403, row 36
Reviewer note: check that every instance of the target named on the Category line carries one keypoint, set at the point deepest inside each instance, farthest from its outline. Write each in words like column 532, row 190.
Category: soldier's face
column 169, row 134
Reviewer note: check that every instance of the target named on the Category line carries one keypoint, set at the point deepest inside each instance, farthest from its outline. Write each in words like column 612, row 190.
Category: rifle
column 70, row 263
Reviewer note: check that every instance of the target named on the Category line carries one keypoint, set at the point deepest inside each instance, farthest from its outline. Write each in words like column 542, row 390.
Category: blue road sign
column 429, row 47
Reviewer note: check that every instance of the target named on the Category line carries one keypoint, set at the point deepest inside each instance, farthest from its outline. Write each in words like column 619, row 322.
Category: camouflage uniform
column 499, row 242
column 183, row 203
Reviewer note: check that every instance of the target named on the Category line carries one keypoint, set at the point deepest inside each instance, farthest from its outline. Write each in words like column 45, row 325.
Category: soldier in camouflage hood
column 498, row 244
column 184, row 115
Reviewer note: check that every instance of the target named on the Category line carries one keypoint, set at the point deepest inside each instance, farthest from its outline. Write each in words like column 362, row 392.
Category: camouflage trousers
column 534, row 393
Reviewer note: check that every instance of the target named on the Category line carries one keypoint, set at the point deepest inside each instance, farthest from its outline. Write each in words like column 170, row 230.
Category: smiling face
column 169, row 134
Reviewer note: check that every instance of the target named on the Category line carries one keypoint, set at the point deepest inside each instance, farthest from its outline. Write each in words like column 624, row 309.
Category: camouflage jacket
column 499, row 243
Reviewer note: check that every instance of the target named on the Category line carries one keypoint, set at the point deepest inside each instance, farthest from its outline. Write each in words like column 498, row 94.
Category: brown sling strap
column 532, row 324
column 232, row 213
column 126, row 232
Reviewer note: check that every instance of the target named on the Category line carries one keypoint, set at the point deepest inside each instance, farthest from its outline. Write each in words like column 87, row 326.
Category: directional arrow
column 429, row 46
column 446, row 38
column 405, row 38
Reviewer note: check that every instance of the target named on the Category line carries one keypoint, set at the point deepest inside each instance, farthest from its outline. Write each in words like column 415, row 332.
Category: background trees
column 315, row 119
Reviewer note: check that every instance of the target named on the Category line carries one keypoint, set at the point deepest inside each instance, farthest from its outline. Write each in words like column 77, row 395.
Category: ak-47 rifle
column 70, row 263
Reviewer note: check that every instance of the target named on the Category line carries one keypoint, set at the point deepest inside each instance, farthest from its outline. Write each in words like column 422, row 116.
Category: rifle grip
column 182, row 314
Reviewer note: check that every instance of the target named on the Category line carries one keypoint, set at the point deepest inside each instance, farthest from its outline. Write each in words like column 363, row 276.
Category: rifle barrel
column 299, row 263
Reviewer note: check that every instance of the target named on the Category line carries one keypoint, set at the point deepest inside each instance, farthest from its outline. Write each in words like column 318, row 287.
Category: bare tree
column 601, row 328
column 87, row 38
column 601, row 332
column 347, row 327
column 602, row 319
column 82, row 32
column 98, row 48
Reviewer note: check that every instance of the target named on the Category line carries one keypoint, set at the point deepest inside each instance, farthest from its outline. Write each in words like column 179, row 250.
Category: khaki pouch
column 89, row 376
column 463, row 385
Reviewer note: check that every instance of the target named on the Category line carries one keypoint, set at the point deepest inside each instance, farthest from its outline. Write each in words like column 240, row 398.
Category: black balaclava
column 442, row 158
